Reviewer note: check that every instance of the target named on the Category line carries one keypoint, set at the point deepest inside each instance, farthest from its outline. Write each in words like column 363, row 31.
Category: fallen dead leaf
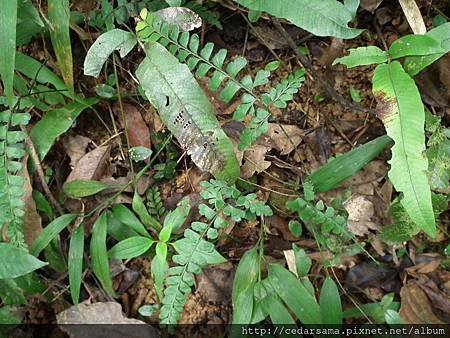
column 76, row 148
column 254, row 160
column 360, row 212
column 415, row 306
column 413, row 15
column 215, row 283
column 370, row 5
column 285, row 137
column 91, row 166
column 137, row 129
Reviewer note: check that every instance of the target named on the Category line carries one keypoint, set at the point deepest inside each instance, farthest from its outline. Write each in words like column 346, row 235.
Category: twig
column 322, row 81
column 40, row 172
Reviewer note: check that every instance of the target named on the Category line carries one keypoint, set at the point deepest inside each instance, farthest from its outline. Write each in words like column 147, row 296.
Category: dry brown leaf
column 285, row 137
column 413, row 15
column 360, row 212
column 32, row 222
column 137, row 129
column 91, row 166
column 254, row 160
column 76, row 148
column 415, row 306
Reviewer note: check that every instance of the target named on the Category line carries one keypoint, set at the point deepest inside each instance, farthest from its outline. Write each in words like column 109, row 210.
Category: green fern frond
column 228, row 79
column 12, row 150
column 195, row 250
column 154, row 202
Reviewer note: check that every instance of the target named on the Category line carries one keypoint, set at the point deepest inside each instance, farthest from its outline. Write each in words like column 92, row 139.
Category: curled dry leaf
column 91, row 166
column 137, row 129
column 415, row 306
column 76, row 148
column 285, row 137
column 360, row 213
column 254, row 160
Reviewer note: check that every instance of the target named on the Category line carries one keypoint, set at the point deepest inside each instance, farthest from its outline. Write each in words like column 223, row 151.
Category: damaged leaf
column 187, row 112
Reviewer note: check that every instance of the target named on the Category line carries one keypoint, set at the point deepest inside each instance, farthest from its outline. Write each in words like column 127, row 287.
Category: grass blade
column 59, row 16
column 8, row 20
column 76, row 262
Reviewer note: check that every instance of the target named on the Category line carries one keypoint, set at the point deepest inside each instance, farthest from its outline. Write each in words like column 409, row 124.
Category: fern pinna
column 227, row 79
column 12, row 151
column 196, row 250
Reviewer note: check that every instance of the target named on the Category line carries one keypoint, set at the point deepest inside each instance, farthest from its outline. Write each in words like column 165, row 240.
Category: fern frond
column 12, row 150
column 154, row 203
column 228, row 79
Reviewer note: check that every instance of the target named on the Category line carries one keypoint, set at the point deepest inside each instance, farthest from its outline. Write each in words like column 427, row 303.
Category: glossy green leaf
column 99, row 254
column 59, row 17
column 321, row 18
column 130, row 248
column 362, row 56
column 16, row 262
column 159, row 268
column 403, row 117
column 50, row 232
column 140, row 209
column 75, row 262
column 83, row 188
column 414, row 44
column 330, row 303
column 186, row 111
column 245, row 278
column 302, row 261
column 8, row 20
column 125, row 216
column 415, row 64
column 104, row 46
column 346, row 165
column 177, row 217
column 295, row 295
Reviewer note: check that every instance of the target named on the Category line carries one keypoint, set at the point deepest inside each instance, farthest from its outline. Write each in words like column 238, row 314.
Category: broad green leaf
column 99, row 254
column 11, row 293
column 130, row 248
column 414, row 44
column 392, row 317
column 9, row 315
column 346, row 165
column 403, row 116
column 439, row 163
column 83, row 188
column 330, row 303
column 352, row 6
column 118, row 230
column 362, row 56
column 75, row 262
column 278, row 313
column 16, row 262
column 164, row 234
column 104, row 46
column 42, row 204
column 321, row 18
column 185, row 110
column 8, row 20
column 295, row 295
column 50, row 232
column 244, row 281
column 177, row 217
column 55, row 123
column 138, row 154
column 59, row 17
column 140, row 209
column 302, row 261
column 415, row 64
column 125, row 216
column 159, row 268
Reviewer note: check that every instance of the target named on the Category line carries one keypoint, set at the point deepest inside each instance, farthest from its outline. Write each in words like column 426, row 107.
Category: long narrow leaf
column 403, row 115
column 99, row 254
column 330, row 303
column 59, row 16
column 50, row 232
column 8, row 20
column 75, row 263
